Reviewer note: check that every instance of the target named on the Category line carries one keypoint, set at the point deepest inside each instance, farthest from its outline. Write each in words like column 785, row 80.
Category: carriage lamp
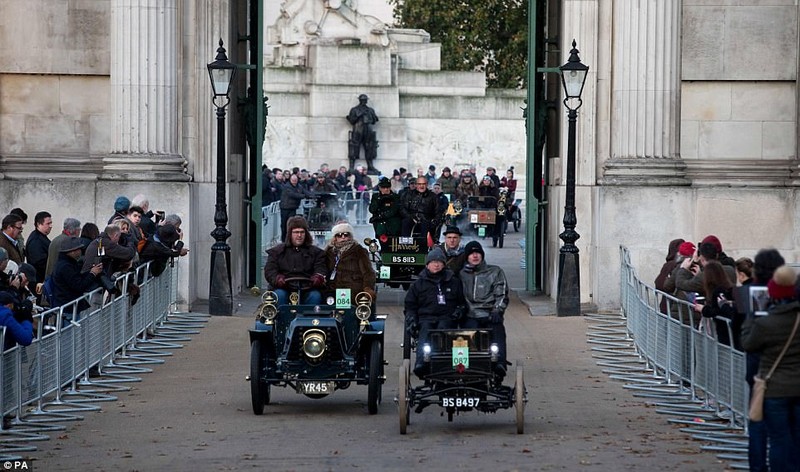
column 314, row 343
column 494, row 350
column 426, row 352
column 363, row 312
column 268, row 313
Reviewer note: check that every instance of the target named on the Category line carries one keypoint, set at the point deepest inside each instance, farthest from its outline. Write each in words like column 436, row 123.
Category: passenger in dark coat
column 385, row 210
column 418, row 209
column 296, row 257
column 434, row 301
column 291, row 195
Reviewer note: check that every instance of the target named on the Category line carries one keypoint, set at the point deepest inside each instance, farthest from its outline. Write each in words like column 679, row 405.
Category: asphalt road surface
column 194, row 413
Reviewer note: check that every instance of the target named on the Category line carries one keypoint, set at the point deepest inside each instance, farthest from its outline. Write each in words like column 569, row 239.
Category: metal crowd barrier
column 675, row 362
column 81, row 358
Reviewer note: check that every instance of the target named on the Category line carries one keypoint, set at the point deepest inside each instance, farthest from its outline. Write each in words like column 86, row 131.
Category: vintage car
column 487, row 216
column 321, row 212
column 316, row 349
column 398, row 260
column 459, row 376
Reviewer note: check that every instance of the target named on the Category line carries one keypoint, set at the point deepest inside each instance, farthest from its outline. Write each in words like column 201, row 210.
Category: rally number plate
column 460, row 402
column 315, row 387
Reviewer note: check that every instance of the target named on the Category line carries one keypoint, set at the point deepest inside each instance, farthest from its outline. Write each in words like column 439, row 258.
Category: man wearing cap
column 492, row 173
column 453, row 252
column 69, row 282
column 431, row 175
column 486, row 291
column 362, row 117
column 448, row 182
column 385, row 210
column 296, row 257
column 161, row 247
column 434, row 301
column 11, row 228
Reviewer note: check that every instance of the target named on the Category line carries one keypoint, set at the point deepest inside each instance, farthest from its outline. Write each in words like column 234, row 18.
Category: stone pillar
column 645, row 127
column 144, row 92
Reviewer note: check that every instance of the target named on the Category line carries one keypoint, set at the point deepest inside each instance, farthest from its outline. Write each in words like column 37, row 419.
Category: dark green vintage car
column 317, row 349
column 398, row 260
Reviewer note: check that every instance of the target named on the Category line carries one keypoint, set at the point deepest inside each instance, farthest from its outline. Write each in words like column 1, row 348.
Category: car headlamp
column 494, row 350
column 426, row 352
column 268, row 309
column 268, row 313
column 363, row 306
column 314, row 343
column 372, row 245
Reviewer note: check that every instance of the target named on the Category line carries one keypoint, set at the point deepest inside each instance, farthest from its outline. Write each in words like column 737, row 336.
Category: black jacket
column 291, row 196
column 70, row 283
column 37, row 247
column 419, row 205
column 422, row 300
column 159, row 253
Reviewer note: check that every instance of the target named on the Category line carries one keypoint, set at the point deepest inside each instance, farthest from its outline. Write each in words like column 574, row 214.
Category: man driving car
column 296, row 257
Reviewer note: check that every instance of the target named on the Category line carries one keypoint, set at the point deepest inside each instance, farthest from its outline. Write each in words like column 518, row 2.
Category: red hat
column 781, row 285
column 713, row 240
column 686, row 249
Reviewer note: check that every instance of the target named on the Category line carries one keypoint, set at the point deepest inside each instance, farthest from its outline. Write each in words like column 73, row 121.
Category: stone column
column 144, row 92
column 645, row 125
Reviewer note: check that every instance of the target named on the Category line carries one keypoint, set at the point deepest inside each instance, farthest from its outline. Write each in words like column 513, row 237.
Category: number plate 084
column 458, row 402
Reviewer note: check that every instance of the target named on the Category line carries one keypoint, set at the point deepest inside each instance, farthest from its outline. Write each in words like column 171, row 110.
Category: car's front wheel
column 259, row 389
column 374, row 386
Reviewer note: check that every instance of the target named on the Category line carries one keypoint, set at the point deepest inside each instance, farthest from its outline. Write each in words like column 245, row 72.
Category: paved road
column 193, row 413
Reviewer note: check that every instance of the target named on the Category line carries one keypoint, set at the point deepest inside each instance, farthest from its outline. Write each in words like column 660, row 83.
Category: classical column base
column 49, row 167
column 645, row 171
column 744, row 172
column 144, row 167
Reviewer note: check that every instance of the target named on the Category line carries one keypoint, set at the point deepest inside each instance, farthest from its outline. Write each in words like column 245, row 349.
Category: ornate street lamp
column 568, row 302
column 220, row 296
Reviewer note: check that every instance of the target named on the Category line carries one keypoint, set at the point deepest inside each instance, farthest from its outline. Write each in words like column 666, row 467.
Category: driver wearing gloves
column 434, row 301
column 296, row 257
column 486, row 291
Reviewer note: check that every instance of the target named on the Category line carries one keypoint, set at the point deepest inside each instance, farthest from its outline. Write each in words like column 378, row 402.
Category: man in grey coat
column 486, row 291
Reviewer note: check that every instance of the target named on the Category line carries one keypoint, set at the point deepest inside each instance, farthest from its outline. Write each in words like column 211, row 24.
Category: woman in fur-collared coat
column 348, row 262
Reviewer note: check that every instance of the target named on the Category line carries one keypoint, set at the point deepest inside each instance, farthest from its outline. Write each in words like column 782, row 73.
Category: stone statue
column 362, row 117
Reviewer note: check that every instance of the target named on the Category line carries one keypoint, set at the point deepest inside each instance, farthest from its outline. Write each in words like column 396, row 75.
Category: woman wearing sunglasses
column 348, row 263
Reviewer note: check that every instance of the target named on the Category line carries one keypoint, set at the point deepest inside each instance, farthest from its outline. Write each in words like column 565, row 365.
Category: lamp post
column 220, row 297
column 568, row 303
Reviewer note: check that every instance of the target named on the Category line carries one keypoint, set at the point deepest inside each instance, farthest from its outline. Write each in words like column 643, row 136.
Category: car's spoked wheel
column 259, row 390
column 402, row 395
column 374, row 392
column 519, row 398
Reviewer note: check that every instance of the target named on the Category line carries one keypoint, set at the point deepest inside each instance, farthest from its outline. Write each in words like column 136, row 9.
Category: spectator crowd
column 37, row 271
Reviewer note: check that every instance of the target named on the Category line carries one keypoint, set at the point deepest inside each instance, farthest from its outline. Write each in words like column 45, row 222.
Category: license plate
column 460, row 356
column 412, row 259
column 460, row 402
column 314, row 387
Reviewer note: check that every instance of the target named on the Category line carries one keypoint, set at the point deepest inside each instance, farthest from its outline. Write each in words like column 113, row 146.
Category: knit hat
column 122, row 203
column 431, row 167
column 781, row 285
column 686, row 249
column 343, row 228
column 713, row 240
column 70, row 244
column 473, row 246
column 7, row 298
column 395, row 172
column 436, row 254
column 384, row 183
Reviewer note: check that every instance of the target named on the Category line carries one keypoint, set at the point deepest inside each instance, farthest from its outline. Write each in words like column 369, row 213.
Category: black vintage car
column 316, row 349
column 322, row 211
column 398, row 260
column 459, row 376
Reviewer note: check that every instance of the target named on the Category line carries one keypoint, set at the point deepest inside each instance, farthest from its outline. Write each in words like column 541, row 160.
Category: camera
column 160, row 216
